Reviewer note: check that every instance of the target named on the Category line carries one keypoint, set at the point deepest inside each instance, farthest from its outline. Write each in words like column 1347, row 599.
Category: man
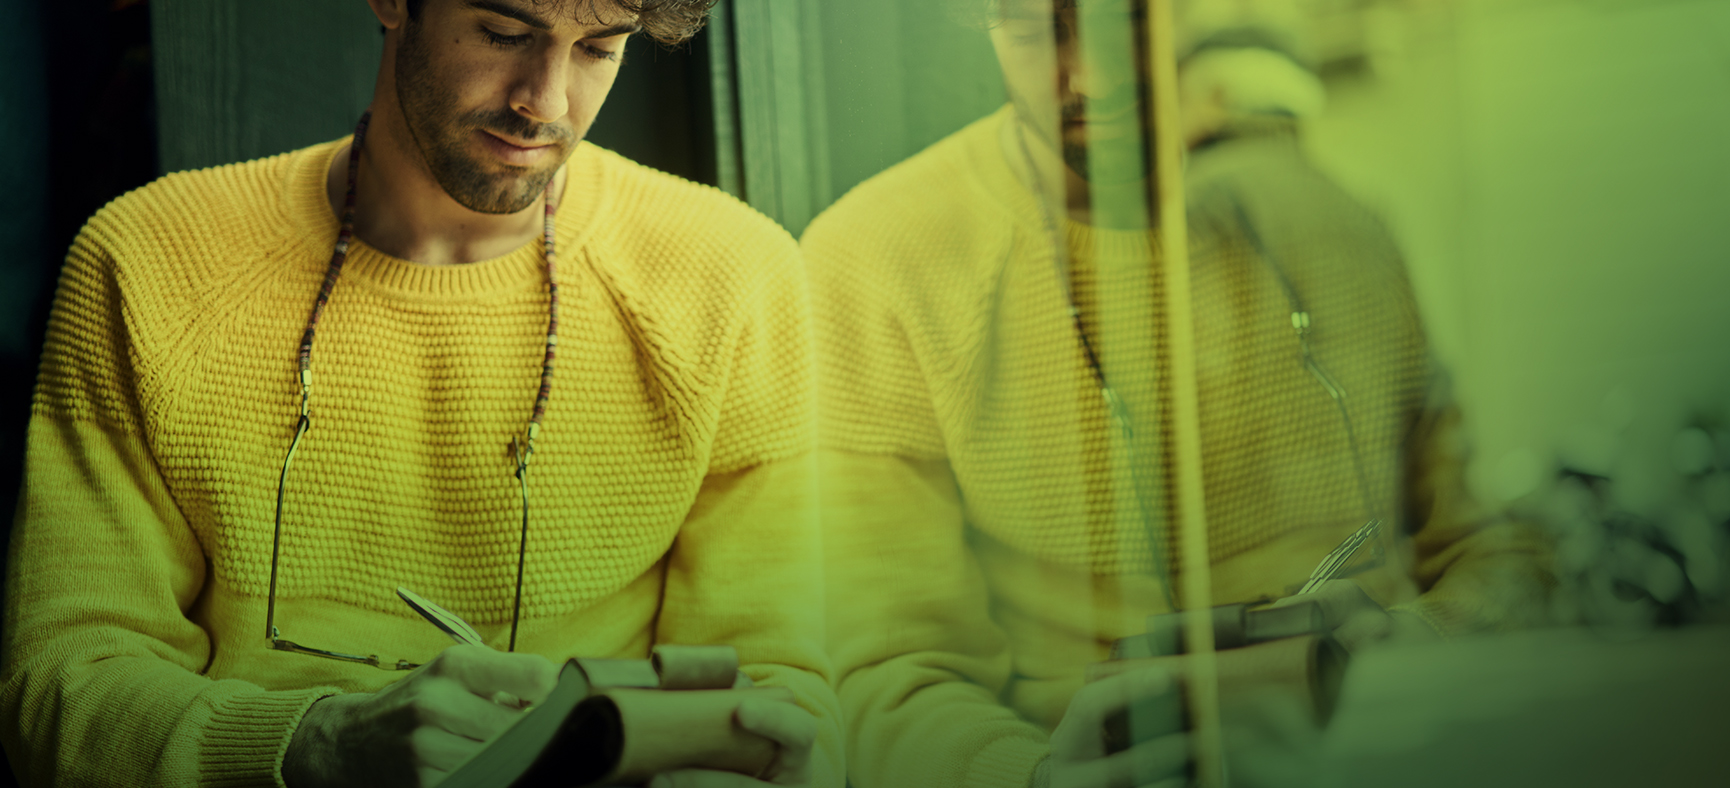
column 656, row 491
column 985, row 545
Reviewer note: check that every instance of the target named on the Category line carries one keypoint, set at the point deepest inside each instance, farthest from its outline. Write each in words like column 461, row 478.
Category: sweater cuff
column 1008, row 762
column 249, row 734
column 1436, row 616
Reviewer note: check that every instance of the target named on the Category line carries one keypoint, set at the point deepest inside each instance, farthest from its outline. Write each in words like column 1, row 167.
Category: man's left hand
column 792, row 728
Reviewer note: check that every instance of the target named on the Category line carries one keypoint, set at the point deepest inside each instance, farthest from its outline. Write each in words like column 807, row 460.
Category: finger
column 486, row 672
column 510, row 701
column 1156, row 760
column 1078, row 735
column 704, row 778
column 443, row 703
column 1341, row 600
column 1364, row 628
column 786, row 724
column 439, row 749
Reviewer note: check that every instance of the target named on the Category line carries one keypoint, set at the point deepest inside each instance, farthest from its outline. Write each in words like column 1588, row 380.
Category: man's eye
column 503, row 41
column 600, row 53
column 1027, row 33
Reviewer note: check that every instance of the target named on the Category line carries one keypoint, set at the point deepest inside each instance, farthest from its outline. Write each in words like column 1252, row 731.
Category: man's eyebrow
column 505, row 9
column 538, row 23
column 623, row 29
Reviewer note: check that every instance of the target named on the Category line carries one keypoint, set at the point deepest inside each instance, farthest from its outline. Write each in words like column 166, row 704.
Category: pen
column 1331, row 565
column 446, row 621
column 459, row 630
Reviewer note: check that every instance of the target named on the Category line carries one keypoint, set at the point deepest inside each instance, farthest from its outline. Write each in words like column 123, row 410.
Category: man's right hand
column 415, row 732
column 1078, row 758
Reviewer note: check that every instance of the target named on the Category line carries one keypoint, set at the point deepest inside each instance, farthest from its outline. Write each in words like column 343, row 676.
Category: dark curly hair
column 666, row 21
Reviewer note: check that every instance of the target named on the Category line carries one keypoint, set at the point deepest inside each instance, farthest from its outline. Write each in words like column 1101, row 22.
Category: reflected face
column 1058, row 93
column 497, row 93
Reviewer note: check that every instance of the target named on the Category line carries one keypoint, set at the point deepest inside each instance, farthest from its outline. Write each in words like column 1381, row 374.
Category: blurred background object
column 1556, row 172
column 1649, row 547
column 1559, row 707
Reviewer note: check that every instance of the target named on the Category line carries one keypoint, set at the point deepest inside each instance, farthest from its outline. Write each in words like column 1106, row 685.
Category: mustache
column 1075, row 108
column 512, row 124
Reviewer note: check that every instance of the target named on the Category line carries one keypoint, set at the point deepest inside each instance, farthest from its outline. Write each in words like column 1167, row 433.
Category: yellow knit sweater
column 982, row 547
column 670, row 497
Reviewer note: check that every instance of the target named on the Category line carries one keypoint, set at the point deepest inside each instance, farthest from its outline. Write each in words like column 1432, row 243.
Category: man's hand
column 416, row 731
column 1078, row 758
column 1357, row 621
column 793, row 730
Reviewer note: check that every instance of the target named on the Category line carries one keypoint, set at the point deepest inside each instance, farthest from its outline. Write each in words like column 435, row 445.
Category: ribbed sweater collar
column 1107, row 247
column 1006, row 187
column 524, row 266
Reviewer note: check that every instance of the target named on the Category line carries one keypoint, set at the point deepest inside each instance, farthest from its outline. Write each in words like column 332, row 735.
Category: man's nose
column 539, row 94
column 1095, row 70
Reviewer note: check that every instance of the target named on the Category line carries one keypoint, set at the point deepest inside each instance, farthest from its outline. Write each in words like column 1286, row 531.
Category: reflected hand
column 790, row 727
column 415, row 732
column 1357, row 621
column 1078, row 758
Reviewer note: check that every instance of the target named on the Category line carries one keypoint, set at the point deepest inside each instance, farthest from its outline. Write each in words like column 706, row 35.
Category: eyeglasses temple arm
column 276, row 533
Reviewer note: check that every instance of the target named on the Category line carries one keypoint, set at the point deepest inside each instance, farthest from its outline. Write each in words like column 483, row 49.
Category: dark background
column 77, row 129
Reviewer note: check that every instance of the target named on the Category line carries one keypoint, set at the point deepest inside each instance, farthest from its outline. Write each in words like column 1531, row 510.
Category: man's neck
column 1039, row 167
column 1027, row 151
column 402, row 211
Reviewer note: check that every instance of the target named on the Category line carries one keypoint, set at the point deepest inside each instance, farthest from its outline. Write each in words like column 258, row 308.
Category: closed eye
column 603, row 53
column 503, row 41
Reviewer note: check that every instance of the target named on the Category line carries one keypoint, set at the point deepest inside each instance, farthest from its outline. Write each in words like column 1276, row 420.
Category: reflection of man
column 978, row 559
column 667, row 497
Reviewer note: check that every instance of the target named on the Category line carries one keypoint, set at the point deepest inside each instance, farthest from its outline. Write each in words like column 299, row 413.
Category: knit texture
column 670, row 498
column 961, row 423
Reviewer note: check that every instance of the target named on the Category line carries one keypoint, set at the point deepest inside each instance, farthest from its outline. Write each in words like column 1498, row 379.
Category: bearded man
column 977, row 345
column 201, row 587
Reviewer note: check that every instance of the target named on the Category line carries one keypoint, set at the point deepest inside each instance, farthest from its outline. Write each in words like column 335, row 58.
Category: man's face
column 1059, row 93
column 497, row 93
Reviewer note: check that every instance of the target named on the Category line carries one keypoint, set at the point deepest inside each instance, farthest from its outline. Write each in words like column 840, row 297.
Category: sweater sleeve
column 1479, row 572
column 101, row 683
column 745, row 568
column 919, row 661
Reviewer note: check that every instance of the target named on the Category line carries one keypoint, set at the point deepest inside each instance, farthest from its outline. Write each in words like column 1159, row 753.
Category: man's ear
column 391, row 13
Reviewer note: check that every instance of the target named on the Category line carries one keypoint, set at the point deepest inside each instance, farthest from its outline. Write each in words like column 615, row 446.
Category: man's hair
column 666, row 21
column 986, row 14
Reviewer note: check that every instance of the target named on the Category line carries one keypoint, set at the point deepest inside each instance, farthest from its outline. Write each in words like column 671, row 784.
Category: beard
column 1107, row 169
column 444, row 134
column 1075, row 158
column 1075, row 153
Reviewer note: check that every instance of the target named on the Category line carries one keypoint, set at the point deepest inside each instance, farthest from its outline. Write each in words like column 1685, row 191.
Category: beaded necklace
column 522, row 445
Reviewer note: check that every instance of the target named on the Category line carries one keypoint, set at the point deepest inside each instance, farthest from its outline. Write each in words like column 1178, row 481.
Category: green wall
column 241, row 80
column 899, row 75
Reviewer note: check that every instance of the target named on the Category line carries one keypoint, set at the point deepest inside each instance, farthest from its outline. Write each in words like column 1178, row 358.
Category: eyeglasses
column 280, row 643
column 523, row 446
column 1339, row 562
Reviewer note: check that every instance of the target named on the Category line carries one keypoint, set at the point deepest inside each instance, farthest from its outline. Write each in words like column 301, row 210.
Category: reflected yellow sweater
column 670, row 498
column 982, row 547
